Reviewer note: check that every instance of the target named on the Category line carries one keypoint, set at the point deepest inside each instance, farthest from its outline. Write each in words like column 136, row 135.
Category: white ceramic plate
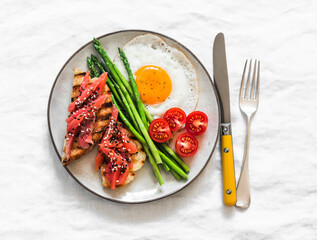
column 145, row 187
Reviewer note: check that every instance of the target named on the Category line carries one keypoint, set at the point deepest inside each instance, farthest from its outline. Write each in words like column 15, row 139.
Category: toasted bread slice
column 101, row 121
column 138, row 160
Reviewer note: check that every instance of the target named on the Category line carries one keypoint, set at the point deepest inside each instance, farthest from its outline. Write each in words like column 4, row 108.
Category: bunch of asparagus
column 134, row 115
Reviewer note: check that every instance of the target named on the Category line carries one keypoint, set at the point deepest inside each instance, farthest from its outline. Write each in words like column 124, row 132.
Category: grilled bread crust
column 101, row 121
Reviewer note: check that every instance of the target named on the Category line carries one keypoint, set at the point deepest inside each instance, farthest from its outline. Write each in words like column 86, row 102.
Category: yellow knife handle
column 228, row 177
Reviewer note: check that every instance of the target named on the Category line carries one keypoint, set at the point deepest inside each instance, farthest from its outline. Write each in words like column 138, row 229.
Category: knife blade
column 222, row 87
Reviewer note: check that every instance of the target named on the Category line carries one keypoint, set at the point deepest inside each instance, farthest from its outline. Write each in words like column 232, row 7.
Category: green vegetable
column 126, row 105
column 176, row 175
column 134, row 86
column 148, row 115
column 168, row 150
column 91, row 66
column 113, row 90
column 166, row 167
column 139, row 121
column 112, row 67
column 173, row 166
column 96, row 62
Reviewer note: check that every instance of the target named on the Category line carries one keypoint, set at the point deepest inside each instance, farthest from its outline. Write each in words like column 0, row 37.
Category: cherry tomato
column 186, row 145
column 176, row 118
column 159, row 130
column 196, row 123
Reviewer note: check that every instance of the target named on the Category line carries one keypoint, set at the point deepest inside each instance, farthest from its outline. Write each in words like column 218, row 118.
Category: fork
column 248, row 101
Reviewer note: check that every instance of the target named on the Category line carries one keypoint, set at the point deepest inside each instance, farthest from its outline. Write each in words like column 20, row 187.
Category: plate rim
column 55, row 147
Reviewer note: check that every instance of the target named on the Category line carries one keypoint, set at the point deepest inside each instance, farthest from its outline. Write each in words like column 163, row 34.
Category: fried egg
column 164, row 75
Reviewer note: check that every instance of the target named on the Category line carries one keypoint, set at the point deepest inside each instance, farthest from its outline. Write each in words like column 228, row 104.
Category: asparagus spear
column 154, row 165
column 143, row 129
column 91, row 66
column 113, row 90
column 166, row 167
column 90, row 69
column 175, row 157
column 134, row 86
column 125, row 82
column 176, row 175
column 126, row 105
column 171, row 164
column 96, row 62
column 147, row 114
column 112, row 67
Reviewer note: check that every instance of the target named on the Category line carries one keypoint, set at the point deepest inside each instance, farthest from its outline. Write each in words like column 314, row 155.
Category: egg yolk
column 154, row 84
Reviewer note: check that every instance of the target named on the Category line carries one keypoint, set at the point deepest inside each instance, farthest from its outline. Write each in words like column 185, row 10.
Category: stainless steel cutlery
column 248, row 101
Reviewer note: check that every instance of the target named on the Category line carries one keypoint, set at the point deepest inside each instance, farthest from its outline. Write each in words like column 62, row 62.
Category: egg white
column 150, row 49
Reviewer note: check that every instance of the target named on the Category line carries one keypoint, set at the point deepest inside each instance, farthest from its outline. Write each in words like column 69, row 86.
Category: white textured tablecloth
column 39, row 200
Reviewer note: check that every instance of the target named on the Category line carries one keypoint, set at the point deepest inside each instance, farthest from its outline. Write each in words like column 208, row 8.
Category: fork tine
column 258, row 83
column 253, row 81
column 242, row 81
column 246, row 93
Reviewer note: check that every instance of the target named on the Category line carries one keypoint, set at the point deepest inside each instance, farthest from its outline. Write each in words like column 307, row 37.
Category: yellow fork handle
column 228, row 177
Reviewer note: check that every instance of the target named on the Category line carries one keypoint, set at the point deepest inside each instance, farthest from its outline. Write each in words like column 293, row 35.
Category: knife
column 222, row 87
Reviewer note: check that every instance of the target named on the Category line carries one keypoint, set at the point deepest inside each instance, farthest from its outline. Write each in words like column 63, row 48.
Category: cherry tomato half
column 176, row 118
column 159, row 130
column 196, row 123
column 186, row 145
